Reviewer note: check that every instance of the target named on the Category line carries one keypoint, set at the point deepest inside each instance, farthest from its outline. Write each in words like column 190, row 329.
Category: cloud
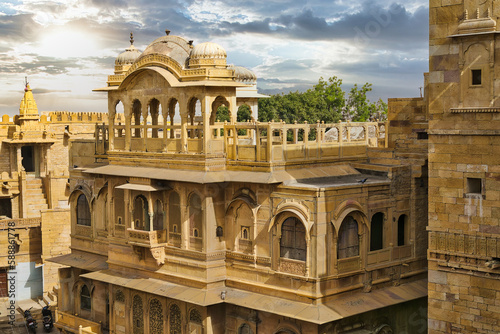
column 18, row 28
column 39, row 91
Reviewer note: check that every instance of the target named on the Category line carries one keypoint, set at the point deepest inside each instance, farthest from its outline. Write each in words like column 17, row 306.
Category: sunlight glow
column 67, row 44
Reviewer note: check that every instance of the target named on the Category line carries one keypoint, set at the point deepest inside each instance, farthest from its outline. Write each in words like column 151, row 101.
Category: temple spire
column 28, row 109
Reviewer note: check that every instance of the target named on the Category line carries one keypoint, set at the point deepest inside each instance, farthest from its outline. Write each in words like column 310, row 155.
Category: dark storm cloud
column 372, row 24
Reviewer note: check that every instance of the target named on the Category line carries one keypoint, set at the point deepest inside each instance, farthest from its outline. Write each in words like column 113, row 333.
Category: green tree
column 325, row 101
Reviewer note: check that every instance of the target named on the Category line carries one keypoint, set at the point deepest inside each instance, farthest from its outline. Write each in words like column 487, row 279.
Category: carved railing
column 294, row 267
column 75, row 324
column 146, row 238
column 19, row 223
column 475, row 245
column 174, row 239
column 245, row 246
column 83, row 231
column 254, row 141
column 380, row 256
column 196, row 243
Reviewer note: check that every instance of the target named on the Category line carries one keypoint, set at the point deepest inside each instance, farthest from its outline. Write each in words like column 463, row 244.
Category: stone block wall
column 464, row 154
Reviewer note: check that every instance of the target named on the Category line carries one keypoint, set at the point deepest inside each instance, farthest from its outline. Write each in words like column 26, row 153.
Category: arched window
column 293, row 239
column 195, row 218
column 158, row 216
column 85, row 299
column 82, row 211
column 245, row 329
column 137, row 315
column 402, row 230
column 348, row 242
column 141, row 215
column 377, row 232
column 175, row 320
column 105, row 212
column 174, row 219
column 155, row 317
column 137, row 118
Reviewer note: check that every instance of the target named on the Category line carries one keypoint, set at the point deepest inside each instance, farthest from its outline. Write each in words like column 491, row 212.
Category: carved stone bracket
column 159, row 254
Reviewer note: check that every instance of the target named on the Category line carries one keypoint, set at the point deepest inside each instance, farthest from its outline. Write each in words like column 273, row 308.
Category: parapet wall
column 48, row 117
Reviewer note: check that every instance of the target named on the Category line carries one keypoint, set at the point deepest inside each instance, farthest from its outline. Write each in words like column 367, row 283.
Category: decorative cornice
column 475, row 110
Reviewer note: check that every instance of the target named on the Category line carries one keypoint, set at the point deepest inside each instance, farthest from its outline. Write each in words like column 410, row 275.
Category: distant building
column 34, row 193
column 182, row 224
column 464, row 172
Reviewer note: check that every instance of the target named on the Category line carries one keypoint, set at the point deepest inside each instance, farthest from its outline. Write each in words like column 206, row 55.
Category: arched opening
column 220, row 110
column 173, row 110
column 83, row 211
column 348, row 240
column 243, row 223
column 377, row 232
column 403, row 230
column 195, row 117
column 174, row 219
column 119, row 122
column 175, row 319
column 293, row 240
column 119, row 206
column 155, row 113
column 137, row 119
column 244, row 114
column 140, row 214
column 158, row 217
column 195, row 221
column 85, row 299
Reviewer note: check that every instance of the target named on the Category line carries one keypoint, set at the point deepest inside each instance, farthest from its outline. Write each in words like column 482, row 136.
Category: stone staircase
column 35, row 198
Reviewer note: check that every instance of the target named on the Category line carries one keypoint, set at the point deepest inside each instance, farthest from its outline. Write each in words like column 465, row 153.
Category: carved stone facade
column 464, row 147
column 234, row 227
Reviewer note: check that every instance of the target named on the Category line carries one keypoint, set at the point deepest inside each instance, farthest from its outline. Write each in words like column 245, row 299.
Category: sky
column 67, row 48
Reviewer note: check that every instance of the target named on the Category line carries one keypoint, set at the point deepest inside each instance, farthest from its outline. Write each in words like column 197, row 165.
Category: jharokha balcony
column 222, row 146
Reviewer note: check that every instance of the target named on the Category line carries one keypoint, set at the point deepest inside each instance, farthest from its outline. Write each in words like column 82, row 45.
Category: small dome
column 130, row 55
column 208, row 50
column 243, row 74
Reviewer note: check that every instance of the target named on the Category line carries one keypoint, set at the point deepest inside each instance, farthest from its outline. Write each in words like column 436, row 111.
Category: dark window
column 195, row 218
column 158, row 216
column 293, row 240
column 82, row 211
column 5, row 207
column 28, row 162
column 174, row 211
column 348, row 243
column 422, row 135
column 474, row 185
column 402, row 230
column 85, row 300
column 476, row 77
column 377, row 232
column 141, row 215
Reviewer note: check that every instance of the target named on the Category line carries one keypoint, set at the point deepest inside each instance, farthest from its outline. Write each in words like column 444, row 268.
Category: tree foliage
column 326, row 101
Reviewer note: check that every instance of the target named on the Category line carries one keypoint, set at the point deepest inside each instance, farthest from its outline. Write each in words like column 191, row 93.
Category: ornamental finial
column 131, row 38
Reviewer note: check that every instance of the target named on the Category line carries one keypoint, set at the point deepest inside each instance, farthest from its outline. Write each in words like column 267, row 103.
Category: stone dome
column 243, row 74
column 208, row 50
column 174, row 47
column 128, row 57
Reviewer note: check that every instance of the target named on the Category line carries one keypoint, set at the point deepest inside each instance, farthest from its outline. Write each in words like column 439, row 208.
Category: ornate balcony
column 154, row 241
